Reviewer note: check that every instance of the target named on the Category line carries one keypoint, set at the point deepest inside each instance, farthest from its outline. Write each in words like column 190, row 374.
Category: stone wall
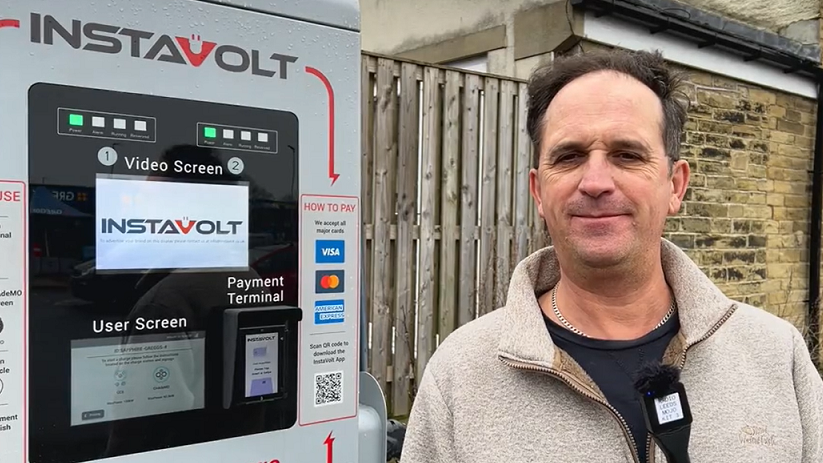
column 745, row 220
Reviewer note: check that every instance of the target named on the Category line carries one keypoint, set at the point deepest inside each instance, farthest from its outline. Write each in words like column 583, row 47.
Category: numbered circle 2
column 236, row 165
column 107, row 156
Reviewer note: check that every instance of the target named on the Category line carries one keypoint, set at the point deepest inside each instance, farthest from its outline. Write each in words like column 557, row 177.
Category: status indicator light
column 210, row 132
column 75, row 119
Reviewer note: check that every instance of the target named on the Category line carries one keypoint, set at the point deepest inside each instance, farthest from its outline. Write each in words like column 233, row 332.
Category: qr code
column 328, row 388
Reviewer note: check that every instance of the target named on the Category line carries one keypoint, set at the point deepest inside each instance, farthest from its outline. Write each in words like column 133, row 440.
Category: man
column 549, row 377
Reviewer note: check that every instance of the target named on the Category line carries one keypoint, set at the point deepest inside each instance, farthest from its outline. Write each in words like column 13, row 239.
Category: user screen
column 149, row 375
column 148, row 216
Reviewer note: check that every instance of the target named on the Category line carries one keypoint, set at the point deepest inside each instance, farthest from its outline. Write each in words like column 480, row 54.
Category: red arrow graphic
column 329, row 443
column 10, row 23
column 332, row 174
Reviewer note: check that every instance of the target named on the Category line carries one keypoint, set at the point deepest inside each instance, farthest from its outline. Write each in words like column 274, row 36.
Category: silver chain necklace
column 571, row 328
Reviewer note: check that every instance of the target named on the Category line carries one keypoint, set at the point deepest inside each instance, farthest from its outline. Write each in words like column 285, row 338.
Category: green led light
column 210, row 132
column 75, row 119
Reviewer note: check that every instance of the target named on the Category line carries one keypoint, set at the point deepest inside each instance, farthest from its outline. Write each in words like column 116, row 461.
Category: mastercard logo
column 329, row 281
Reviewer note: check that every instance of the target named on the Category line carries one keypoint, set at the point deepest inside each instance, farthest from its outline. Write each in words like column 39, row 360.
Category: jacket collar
column 701, row 304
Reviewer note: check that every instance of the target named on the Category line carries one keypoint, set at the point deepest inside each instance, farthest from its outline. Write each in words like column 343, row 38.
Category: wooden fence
column 446, row 208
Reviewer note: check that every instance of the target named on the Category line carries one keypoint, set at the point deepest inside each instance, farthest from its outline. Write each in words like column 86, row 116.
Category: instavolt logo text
column 151, row 46
column 183, row 226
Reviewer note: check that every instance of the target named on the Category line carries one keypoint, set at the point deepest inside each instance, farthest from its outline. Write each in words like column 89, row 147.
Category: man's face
column 603, row 183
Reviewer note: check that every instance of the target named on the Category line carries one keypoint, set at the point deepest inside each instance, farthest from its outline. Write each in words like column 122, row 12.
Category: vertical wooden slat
column 366, row 169
column 487, row 201
column 450, row 204
column 406, row 220
column 429, row 199
column 467, row 290
column 504, row 191
column 381, row 281
column 521, row 178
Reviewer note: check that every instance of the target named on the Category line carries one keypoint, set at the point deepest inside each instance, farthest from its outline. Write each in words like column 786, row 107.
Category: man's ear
column 534, row 189
column 681, row 172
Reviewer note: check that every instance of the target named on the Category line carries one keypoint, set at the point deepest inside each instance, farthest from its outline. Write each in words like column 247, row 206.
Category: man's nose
column 596, row 176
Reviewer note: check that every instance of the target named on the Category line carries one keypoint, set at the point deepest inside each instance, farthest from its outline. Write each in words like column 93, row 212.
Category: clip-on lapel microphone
column 666, row 410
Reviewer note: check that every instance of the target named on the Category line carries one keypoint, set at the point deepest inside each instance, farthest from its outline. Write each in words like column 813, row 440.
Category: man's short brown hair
column 647, row 67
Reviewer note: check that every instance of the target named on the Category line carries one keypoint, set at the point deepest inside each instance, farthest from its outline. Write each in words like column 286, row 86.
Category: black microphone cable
column 666, row 410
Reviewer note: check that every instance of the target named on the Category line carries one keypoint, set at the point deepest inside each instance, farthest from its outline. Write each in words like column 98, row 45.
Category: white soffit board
column 614, row 32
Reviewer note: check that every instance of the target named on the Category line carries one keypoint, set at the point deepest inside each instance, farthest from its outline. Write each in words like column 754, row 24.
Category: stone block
column 708, row 209
column 725, row 182
column 757, row 171
column 757, row 241
column 799, row 201
column 696, row 224
column 775, row 199
column 757, row 212
column 714, row 127
column 792, row 127
column 739, row 160
column 717, row 99
column 777, row 111
column 682, row 240
column 792, row 115
column 713, row 168
column 716, row 154
column 757, row 95
column 782, row 186
column 746, row 131
column 738, row 257
column 794, row 151
column 781, row 137
column 720, row 242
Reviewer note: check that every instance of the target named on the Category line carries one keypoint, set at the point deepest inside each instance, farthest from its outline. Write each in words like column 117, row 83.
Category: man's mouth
column 598, row 216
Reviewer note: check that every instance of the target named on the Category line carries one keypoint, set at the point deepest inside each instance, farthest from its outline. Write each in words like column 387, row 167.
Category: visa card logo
column 328, row 312
column 328, row 281
column 330, row 251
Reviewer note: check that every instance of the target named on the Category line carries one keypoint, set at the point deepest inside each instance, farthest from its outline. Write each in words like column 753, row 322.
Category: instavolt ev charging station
column 180, row 233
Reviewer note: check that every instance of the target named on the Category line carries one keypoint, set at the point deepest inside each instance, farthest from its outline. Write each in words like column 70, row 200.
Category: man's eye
column 628, row 156
column 566, row 157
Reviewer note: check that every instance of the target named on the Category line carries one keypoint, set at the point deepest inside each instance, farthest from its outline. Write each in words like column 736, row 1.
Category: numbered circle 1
column 107, row 156
column 236, row 165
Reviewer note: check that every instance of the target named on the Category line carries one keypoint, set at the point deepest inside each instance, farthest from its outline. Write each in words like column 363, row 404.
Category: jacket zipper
column 626, row 431
column 624, row 426
column 714, row 329
column 682, row 363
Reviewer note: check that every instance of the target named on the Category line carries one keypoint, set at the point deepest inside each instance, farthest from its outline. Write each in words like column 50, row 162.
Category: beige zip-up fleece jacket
column 497, row 390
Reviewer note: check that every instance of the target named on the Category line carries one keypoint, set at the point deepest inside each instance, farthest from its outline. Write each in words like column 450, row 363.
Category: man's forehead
column 619, row 105
column 601, row 90
column 605, row 82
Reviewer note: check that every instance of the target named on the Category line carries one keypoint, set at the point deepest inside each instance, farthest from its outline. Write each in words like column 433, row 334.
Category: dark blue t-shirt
column 612, row 366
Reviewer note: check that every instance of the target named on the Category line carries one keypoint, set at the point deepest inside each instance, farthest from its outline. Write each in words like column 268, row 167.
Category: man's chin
column 600, row 252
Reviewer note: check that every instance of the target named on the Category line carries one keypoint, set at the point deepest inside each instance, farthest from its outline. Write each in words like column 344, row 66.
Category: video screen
column 261, row 364
column 171, row 225
column 149, row 375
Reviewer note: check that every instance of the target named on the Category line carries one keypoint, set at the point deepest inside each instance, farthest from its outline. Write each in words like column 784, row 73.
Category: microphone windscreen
column 655, row 377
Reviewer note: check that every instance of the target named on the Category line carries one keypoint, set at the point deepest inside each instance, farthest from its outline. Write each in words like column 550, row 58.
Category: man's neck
column 616, row 309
